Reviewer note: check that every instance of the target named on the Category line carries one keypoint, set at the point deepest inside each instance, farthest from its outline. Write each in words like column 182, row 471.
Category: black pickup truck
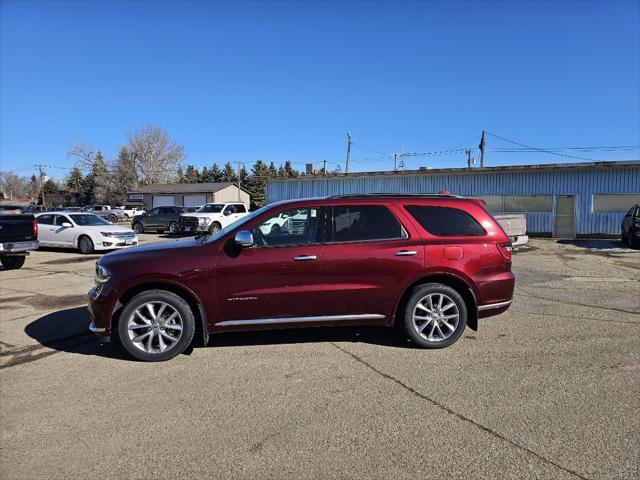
column 18, row 235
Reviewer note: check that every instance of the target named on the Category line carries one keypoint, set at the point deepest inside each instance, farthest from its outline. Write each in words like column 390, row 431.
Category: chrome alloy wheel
column 155, row 327
column 436, row 317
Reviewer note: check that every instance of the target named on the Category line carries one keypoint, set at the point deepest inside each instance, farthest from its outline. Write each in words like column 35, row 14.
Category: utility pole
column 482, row 144
column 324, row 167
column 346, row 169
column 396, row 157
column 239, row 184
column 40, row 168
column 471, row 162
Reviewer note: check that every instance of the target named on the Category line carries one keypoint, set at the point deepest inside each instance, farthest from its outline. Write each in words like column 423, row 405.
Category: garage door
column 194, row 200
column 163, row 200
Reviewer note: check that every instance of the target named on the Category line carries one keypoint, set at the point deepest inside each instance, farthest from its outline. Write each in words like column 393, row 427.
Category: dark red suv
column 431, row 264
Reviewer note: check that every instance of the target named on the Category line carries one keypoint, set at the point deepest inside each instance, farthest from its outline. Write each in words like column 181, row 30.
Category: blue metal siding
column 582, row 183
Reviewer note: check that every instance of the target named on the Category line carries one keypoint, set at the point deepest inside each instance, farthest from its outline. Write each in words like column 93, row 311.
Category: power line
column 539, row 149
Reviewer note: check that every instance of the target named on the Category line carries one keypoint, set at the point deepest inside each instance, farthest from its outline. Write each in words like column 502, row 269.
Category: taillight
column 505, row 250
column 35, row 228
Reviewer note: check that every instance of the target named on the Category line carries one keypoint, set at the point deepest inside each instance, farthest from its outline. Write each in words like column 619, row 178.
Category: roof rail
column 367, row 195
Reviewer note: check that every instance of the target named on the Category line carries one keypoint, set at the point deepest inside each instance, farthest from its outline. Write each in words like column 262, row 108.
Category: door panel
column 278, row 278
column 564, row 221
column 64, row 236
column 367, row 277
column 268, row 282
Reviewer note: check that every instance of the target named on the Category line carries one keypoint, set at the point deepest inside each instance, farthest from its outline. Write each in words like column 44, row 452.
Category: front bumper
column 102, row 303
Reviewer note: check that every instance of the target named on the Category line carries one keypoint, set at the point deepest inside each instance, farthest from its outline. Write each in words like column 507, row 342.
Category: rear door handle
column 405, row 253
column 305, row 258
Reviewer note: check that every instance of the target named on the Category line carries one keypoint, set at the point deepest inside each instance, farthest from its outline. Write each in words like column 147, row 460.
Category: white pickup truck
column 515, row 226
column 211, row 218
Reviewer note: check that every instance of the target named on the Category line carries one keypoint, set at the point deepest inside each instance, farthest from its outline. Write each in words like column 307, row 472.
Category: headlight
column 101, row 274
column 203, row 221
column 106, row 234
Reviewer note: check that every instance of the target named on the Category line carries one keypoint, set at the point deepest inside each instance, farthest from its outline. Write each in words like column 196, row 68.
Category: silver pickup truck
column 106, row 212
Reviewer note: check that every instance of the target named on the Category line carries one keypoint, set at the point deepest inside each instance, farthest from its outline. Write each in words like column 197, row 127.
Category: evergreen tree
column 33, row 187
column 205, row 175
column 50, row 187
column 99, row 179
column 273, row 171
column 180, row 175
column 192, row 175
column 229, row 174
column 75, row 180
column 216, row 173
column 289, row 170
column 256, row 185
column 124, row 177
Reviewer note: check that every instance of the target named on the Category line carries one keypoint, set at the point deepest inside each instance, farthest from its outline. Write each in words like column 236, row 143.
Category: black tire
column 85, row 245
column 113, row 218
column 275, row 230
column 173, row 300
column 215, row 228
column 13, row 262
column 634, row 241
column 138, row 228
column 420, row 293
column 173, row 228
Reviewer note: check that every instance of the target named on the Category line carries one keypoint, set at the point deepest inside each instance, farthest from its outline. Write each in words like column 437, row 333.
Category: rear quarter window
column 445, row 221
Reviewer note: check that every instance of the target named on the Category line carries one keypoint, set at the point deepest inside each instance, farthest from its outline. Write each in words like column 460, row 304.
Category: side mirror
column 244, row 238
column 67, row 225
column 226, row 213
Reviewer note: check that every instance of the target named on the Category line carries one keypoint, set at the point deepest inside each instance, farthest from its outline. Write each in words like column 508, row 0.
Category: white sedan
column 84, row 231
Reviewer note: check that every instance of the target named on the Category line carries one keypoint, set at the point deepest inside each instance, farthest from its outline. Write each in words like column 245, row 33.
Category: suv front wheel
column 156, row 325
column 435, row 316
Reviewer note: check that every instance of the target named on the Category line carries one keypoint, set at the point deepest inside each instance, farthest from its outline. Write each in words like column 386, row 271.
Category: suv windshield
column 88, row 220
column 210, row 208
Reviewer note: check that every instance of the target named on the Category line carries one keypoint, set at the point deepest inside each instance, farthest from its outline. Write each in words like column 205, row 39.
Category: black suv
column 159, row 219
column 631, row 227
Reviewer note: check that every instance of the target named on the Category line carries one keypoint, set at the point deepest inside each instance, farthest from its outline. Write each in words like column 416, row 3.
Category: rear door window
column 445, row 221
column 361, row 223
column 45, row 219
column 240, row 208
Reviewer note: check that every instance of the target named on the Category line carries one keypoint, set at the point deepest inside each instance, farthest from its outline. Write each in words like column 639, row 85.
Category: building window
column 493, row 203
column 614, row 202
column 528, row 203
column 445, row 221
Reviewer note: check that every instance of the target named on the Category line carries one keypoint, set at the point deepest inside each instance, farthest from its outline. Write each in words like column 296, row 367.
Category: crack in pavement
column 573, row 317
column 578, row 304
column 459, row 415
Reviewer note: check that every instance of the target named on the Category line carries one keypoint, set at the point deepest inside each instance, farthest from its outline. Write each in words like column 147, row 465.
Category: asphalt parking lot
column 550, row 389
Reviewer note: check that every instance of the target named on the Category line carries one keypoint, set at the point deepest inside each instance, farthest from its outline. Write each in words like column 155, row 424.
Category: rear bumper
column 18, row 247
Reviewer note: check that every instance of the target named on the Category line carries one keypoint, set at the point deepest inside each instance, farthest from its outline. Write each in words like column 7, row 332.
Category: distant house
column 188, row 194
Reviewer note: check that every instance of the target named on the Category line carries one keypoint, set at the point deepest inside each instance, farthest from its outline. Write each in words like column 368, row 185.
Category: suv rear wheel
column 435, row 316
column 156, row 325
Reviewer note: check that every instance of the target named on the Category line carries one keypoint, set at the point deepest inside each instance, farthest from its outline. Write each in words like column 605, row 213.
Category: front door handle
column 305, row 258
column 405, row 253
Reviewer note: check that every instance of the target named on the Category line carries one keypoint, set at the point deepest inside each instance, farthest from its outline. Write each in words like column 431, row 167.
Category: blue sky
column 285, row 81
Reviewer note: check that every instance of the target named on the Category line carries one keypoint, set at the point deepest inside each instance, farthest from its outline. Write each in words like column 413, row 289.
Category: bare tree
column 155, row 156
column 83, row 153
column 12, row 185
